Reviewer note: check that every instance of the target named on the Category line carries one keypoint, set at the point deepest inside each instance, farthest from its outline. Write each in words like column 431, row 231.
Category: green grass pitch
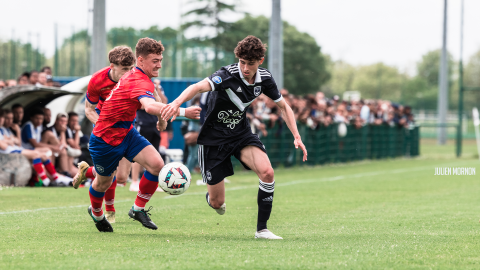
column 390, row 214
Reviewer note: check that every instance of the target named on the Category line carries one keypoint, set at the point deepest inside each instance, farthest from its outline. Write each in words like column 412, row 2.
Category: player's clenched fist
column 161, row 125
column 170, row 110
column 192, row 112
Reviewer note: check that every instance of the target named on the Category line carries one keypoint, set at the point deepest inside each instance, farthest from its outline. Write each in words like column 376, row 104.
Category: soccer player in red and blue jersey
column 114, row 137
column 121, row 60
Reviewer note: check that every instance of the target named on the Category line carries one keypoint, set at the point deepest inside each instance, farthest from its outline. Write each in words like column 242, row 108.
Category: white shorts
column 12, row 150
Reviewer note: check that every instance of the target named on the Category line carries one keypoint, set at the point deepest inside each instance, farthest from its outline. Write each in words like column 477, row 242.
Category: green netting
column 325, row 146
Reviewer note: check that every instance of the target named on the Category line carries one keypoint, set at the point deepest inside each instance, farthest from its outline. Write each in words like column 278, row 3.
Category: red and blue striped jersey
column 120, row 108
column 99, row 88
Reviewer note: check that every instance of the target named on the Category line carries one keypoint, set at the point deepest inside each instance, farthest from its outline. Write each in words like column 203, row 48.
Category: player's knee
column 156, row 166
column 267, row 175
column 216, row 202
column 121, row 178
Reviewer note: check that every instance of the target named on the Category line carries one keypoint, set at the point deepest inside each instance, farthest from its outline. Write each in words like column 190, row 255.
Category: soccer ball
column 174, row 178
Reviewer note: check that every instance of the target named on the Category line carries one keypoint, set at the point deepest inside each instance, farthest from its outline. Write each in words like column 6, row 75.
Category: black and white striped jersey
column 225, row 119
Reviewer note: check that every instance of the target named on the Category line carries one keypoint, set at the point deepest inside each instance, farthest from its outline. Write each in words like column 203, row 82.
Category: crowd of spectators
column 61, row 140
column 316, row 111
column 42, row 78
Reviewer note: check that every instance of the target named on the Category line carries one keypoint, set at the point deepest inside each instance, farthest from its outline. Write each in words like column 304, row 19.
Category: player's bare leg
column 123, row 171
column 136, row 168
column 216, row 197
column 150, row 159
column 258, row 161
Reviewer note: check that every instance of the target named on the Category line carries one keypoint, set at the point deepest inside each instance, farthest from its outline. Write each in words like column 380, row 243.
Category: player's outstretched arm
column 152, row 107
column 172, row 109
column 289, row 118
column 90, row 112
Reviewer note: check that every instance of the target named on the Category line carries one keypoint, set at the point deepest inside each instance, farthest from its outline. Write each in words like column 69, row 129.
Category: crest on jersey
column 99, row 168
column 217, row 79
column 257, row 90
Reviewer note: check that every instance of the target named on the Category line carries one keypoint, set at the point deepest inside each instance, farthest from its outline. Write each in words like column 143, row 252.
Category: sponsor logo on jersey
column 239, row 89
column 231, row 118
column 149, row 93
column 99, row 168
column 257, row 90
column 217, row 79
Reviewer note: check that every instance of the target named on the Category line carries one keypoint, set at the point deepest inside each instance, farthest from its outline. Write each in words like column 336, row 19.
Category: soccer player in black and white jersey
column 226, row 130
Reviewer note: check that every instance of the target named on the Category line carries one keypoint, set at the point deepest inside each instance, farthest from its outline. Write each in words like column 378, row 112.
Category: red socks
column 37, row 165
column 148, row 185
column 110, row 195
column 96, row 199
column 50, row 169
column 89, row 173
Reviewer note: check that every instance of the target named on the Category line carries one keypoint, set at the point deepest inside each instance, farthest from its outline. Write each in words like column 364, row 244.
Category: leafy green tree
column 208, row 18
column 17, row 57
column 378, row 81
column 304, row 64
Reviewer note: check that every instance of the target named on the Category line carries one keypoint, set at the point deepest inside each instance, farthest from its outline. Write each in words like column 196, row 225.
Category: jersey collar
column 108, row 75
column 140, row 70
column 258, row 78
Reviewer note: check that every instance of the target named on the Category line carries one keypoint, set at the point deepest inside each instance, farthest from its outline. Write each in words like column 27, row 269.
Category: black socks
column 264, row 201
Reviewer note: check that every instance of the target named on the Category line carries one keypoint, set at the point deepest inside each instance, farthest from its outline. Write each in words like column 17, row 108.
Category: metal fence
column 324, row 145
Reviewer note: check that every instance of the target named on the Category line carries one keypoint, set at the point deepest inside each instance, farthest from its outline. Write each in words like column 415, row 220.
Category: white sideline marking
column 326, row 179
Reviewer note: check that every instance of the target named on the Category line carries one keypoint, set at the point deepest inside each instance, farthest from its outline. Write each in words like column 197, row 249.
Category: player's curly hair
column 250, row 48
column 122, row 56
column 146, row 46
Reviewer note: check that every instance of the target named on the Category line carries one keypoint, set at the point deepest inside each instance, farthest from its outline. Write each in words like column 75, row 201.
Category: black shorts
column 150, row 134
column 214, row 160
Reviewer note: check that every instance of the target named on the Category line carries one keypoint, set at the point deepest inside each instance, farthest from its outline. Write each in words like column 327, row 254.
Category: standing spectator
column 23, row 79
column 42, row 79
column 364, row 111
column 33, row 77
column 17, row 110
column 2, row 84
column 47, row 70
column 191, row 138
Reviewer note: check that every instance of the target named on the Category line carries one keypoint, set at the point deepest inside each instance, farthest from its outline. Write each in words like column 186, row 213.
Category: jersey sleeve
column 141, row 90
column 271, row 90
column 216, row 79
column 93, row 93
column 26, row 133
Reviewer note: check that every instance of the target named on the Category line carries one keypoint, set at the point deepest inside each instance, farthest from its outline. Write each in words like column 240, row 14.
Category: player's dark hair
column 36, row 111
column 45, row 68
column 250, row 48
column 71, row 114
column 121, row 56
column 7, row 111
column 146, row 46
column 2, row 113
column 16, row 105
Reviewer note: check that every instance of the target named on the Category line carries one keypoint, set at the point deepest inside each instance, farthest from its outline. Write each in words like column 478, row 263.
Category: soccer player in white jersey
column 226, row 130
